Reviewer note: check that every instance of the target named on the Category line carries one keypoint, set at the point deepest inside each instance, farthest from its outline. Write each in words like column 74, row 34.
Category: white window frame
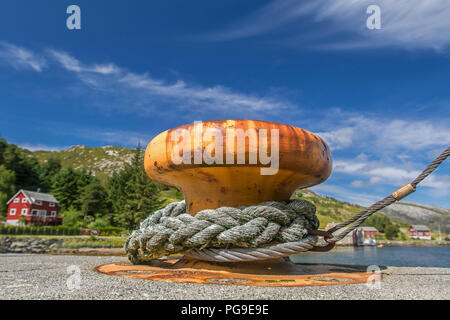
column 53, row 213
column 24, row 211
column 39, row 203
column 17, row 200
column 52, row 204
column 24, row 200
column 42, row 213
column 12, row 212
column 34, row 212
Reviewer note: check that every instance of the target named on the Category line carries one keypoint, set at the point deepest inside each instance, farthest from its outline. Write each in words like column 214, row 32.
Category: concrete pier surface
column 43, row 276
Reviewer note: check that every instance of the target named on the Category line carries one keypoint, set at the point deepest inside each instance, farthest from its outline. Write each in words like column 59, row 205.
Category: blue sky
column 380, row 98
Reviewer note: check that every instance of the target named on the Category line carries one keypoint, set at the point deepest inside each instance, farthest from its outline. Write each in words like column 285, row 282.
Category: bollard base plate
column 270, row 273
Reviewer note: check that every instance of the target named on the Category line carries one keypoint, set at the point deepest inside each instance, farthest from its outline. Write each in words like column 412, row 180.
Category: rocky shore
column 31, row 245
column 415, row 243
column 52, row 246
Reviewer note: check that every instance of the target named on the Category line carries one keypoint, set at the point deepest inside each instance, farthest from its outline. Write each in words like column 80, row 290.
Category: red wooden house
column 419, row 232
column 35, row 207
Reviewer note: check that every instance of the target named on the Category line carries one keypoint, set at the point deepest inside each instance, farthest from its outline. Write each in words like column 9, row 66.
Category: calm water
column 385, row 256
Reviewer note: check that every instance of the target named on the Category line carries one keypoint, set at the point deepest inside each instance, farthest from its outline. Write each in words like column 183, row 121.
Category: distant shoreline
column 418, row 243
column 423, row 243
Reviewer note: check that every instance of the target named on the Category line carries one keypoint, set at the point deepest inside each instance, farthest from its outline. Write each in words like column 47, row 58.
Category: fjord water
column 399, row 256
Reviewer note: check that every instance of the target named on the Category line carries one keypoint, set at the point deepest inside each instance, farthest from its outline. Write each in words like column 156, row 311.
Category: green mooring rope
column 171, row 230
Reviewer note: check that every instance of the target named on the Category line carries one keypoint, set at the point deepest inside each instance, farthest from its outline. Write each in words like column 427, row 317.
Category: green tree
column 379, row 221
column 72, row 217
column 116, row 188
column 7, row 188
column 391, row 232
column 141, row 194
column 48, row 171
column 68, row 185
column 101, row 221
column 94, row 200
column 24, row 165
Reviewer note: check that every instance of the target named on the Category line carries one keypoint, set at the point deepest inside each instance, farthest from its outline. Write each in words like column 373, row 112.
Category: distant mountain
column 101, row 161
column 415, row 213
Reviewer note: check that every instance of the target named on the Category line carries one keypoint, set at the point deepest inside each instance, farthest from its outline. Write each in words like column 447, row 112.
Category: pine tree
column 68, row 185
column 48, row 171
column 94, row 200
column 25, row 166
column 115, row 187
column 141, row 194
column 7, row 188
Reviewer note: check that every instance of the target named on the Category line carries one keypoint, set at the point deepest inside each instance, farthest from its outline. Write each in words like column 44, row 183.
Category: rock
column 18, row 245
column 31, row 245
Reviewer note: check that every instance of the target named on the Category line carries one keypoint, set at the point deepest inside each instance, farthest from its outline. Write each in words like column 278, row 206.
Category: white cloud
column 341, row 24
column 121, row 137
column 414, row 135
column 105, row 68
column 21, row 58
column 145, row 88
column 72, row 64
column 378, row 173
column 40, row 147
column 217, row 96
column 339, row 192
column 387, row 136
column 338, row 139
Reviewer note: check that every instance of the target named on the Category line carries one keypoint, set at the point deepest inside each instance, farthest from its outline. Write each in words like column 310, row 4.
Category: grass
column 328, row 209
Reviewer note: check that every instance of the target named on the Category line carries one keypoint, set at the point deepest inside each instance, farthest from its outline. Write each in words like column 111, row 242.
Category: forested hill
column 123, row 198
column 102, row 161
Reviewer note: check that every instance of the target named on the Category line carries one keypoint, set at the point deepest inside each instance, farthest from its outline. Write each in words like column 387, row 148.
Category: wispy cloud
column 378, row 172
column 147, row 89
column 21, row 58
column 40, row 147
column 339, row 192
column 382, row 136
column 383, row 154
column 341, row 24
column 340, row 138
column 70, row 63
column 116, row 137
column 372, row 180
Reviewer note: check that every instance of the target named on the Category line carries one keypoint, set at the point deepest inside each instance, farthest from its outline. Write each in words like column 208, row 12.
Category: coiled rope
column 265, row 231
column 171, row 230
